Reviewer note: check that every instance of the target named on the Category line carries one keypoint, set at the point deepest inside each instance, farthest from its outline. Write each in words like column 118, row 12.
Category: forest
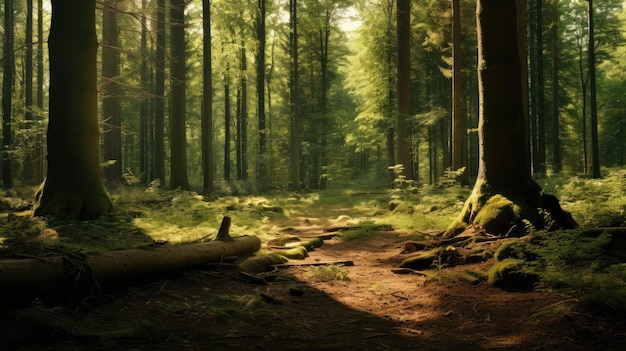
column 313, row 175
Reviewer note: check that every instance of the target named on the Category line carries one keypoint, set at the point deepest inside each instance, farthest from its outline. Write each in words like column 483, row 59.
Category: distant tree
column 8, row 68
column 403, row 129
column 73, row 187
column 459, row 117
column 505, row 198
column 557, row 164
column 159, row 92
column 207, row 101
column 294, row 88
column 111, row 109
column 593, row 105
column 178, row 110
column 145, row 131
column 262, row 175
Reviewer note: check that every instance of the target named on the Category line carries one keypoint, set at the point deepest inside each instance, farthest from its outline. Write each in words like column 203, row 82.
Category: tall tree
column 505, row 195
column 144, row 109
column 7, row 93
column 539, row 159
column 30, row 160
column 593, row 105
column 159, row 92
column 459, row 118
column 554, row 44
column 73, row 187
column 403, row 48
column 111, row 110
column 39, row 145
column 262, row 175
column 178, row 110
column 207, row 101
column 294, row 121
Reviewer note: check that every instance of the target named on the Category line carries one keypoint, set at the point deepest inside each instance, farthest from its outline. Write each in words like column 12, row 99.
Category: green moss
column 510, row 274
column 424, row 259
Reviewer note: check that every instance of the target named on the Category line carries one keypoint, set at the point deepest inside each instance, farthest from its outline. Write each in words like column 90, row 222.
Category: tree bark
column 111, row 109
column 73, row 187
column 178, row 110
column 7, row 92
column 505, row 198
column 404, row 87
column 207, row 101
column 72, row 277
column 294, row 120
column 159, row 91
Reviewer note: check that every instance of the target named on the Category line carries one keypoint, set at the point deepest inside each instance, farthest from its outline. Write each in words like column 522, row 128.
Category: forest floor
column 362, row 306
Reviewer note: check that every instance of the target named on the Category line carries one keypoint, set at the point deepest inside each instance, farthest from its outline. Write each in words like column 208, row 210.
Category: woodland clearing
column 311, row 305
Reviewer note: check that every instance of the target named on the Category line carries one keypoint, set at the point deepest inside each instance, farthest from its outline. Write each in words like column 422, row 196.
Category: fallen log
column 72, row 277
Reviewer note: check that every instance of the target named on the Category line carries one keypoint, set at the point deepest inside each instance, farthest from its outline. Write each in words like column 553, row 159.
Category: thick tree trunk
column 71, row 277
column 505, row 198
column 73, row 187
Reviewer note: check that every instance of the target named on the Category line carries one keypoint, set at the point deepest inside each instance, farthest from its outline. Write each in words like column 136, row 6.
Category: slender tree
column 554, row 43
column 593, row 105
column 7, row 93
column 207, row 101
column 178, row 110
column 111, row 110
column 144, row 108
column 505, row 195
column 294, row 123
column 40, row 68
column 262, row 176
column 459, row 118
column 30, row 160
column 73, row 187
column 540, row 156
column 159, row 91
column 404, row 87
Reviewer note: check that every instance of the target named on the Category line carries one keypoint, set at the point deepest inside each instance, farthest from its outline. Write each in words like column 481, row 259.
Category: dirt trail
column 360, row 307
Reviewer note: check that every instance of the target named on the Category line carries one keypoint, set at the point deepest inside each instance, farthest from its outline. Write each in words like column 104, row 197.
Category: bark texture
column 72, row 277
column 73, row 187
column 505, row 199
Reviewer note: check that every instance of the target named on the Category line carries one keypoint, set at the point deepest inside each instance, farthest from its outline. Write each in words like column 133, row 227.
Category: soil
column 364, row 306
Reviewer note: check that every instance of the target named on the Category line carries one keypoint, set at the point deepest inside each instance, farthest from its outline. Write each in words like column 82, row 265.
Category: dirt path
column 360, row 307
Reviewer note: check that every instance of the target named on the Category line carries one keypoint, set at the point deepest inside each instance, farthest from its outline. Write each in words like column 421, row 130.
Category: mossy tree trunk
column 73, row 187
column 505, row 199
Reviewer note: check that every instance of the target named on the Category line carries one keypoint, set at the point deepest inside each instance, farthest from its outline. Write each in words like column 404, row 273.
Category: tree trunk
column 294, row 121
column 227, row 124
column 505, row 198
column 459, row 118
column 72, row 277
column 39, row 146
column 262, row 177
column 7, row 91
column 73, row 187
column 207, row 99
column 111, row 110
column 540, row 164
column 404, row 87
column 159, row 92
column 30, row 159
column 595, row 151
column 554, row 41
column 178, row 109
column 144, row 109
